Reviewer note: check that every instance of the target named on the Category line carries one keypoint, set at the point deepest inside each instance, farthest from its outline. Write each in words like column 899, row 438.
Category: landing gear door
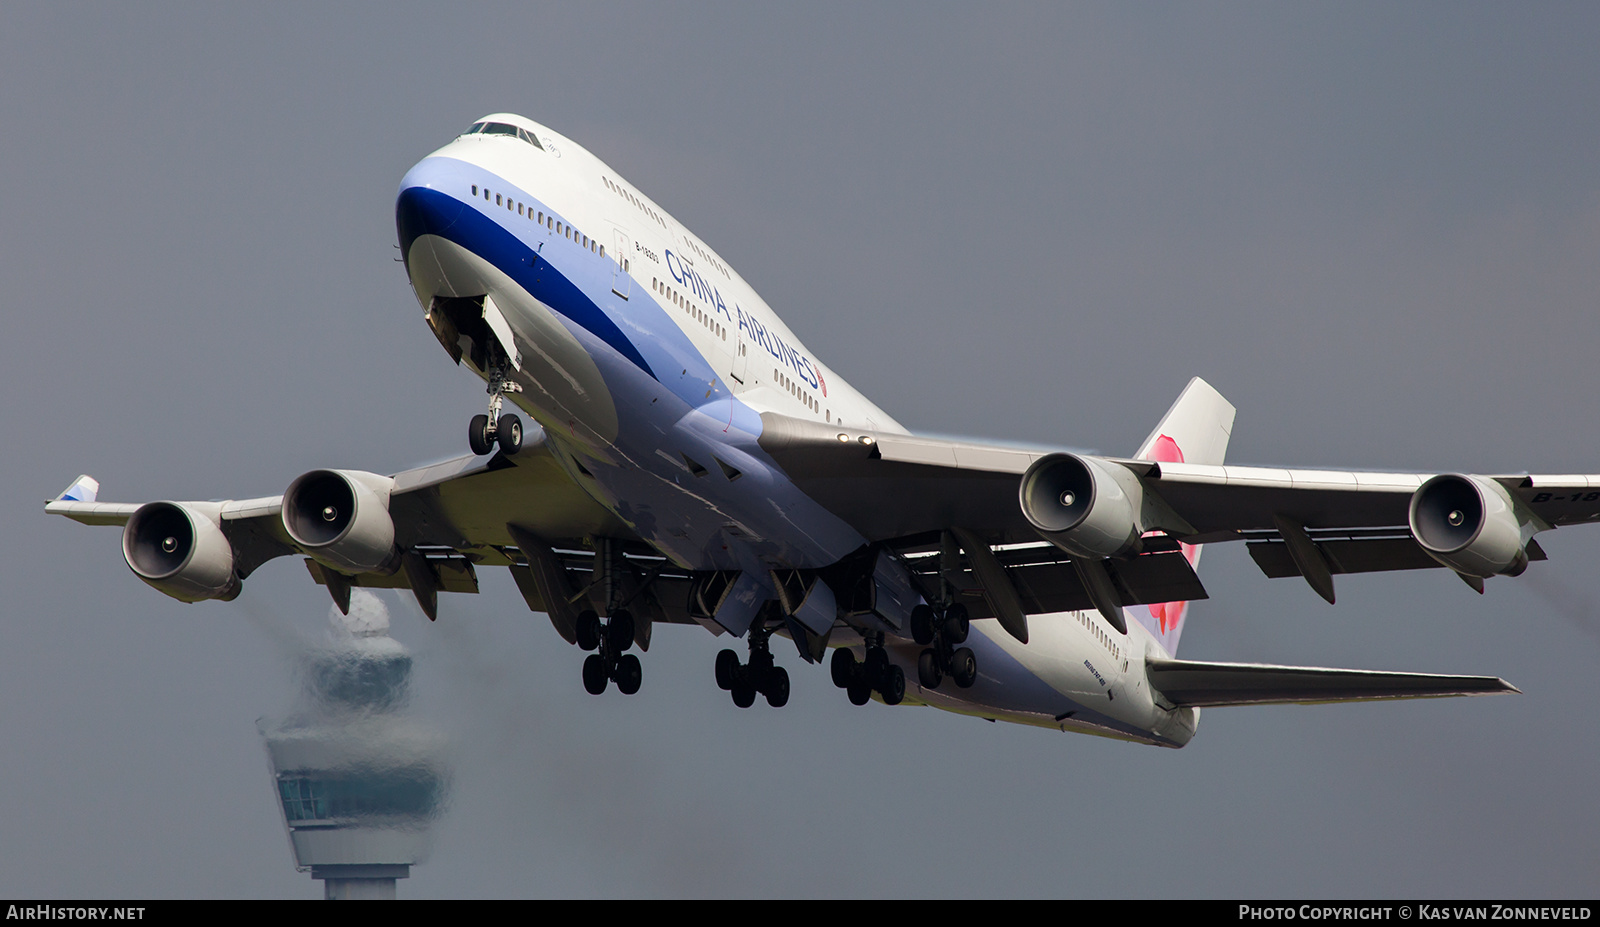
column 621, row 280
column 502, row 331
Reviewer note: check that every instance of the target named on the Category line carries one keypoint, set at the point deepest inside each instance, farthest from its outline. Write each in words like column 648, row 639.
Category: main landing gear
column 873, row 674
column 485, row 431
column 610, row 662
column 761, row 675
column 944, row 657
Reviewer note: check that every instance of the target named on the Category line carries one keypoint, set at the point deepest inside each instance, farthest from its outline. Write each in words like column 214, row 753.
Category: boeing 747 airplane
column 689, row 461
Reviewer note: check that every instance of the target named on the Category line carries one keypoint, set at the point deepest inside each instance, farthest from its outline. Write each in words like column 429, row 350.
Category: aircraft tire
column 874, row 666
column 860, row 693
column 964, row 667
column 727, row 666
column 620, row 631
column 922, row 625
column 843, row 667
column 594, row 674
column 956, row 623
column 777, row 689
column 588, row 630
column 744, row 694
column 894, row 685
column 508, row 433
column 928, row 671
column 478, row 435
column 629, row 674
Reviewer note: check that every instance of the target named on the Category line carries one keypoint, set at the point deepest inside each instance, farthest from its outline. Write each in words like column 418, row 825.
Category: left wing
column 426, row 529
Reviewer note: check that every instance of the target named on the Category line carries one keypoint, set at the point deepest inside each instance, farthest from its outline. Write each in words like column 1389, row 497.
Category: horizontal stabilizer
column 1190, row 682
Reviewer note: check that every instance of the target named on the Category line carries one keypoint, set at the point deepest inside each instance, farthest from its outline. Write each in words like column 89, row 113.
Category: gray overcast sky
column 1374, row 227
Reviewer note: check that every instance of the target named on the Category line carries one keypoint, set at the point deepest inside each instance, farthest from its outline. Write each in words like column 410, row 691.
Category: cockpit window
column 500, row 128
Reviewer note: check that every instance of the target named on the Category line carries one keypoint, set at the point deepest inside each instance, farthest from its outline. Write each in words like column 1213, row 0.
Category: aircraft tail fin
column 1195, row 430
column 1197, row 684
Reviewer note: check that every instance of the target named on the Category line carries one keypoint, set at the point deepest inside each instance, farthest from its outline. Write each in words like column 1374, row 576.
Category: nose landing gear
column 485, row 431
column 761, row 674
column 945, row 633
column 609, row 662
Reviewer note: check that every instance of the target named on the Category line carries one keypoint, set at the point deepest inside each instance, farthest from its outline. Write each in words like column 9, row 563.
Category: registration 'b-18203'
column 690, row 462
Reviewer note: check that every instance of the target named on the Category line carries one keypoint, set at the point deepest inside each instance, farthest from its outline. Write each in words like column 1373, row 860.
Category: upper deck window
column 500, row 128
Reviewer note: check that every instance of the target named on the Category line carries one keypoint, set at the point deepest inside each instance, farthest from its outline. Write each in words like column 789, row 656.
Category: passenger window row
column 798, row 391
column 637, row 203
column 549, row 222
column 1100, row 635
column 706, row 256
column 688, row 306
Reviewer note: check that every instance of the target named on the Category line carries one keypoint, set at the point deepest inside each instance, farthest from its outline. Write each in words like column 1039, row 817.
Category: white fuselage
column 641, row 349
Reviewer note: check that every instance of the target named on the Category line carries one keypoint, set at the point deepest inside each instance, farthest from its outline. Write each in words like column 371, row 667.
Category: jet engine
column 341, row 519
column 1086, row 507
column 180, row 550
column 1469, row 524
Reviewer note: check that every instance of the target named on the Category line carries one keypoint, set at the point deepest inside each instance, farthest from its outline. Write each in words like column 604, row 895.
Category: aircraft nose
column 422, row 208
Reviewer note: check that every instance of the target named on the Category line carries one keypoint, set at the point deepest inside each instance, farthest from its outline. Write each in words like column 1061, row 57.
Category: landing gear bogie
column 758, row 676
column 608, row 662
column 942, row 636
column 874, row 673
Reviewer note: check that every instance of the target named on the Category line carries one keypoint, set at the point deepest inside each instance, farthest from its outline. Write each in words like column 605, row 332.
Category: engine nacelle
column 180, row 550
column 1469, row 524
column 341, row 519
column 1086, row 507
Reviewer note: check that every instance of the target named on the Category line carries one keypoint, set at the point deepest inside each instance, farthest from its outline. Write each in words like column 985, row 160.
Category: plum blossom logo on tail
column 1169, row 614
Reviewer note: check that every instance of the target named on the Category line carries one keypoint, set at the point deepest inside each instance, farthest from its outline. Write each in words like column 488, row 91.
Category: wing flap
column 1046, row 581
column 1203, row 685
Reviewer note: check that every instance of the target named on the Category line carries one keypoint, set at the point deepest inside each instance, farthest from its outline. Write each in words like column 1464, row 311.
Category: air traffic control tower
column 358, row 779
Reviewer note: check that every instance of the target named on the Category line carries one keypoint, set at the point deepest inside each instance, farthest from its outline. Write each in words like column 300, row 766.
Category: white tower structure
column 358, row 780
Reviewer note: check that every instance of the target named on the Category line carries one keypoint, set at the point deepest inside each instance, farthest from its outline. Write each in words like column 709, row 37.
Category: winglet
column 83, row 489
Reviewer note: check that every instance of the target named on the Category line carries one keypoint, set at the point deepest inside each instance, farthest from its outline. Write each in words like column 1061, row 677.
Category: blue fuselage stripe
column 422, row 211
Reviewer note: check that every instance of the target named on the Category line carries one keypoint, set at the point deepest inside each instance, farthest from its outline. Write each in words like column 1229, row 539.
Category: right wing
column 902, row 490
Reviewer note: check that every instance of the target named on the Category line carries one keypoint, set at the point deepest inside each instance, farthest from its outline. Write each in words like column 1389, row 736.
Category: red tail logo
column 1169, row 614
